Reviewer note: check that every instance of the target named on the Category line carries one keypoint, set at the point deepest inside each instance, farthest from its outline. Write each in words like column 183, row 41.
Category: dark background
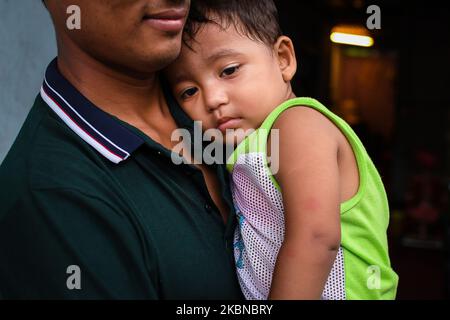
column 396, row 96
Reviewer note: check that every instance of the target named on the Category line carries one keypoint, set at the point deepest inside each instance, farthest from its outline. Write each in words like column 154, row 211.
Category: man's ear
column 285, row 53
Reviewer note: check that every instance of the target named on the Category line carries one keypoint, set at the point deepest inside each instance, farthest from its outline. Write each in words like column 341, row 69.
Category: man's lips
column 228, row 123
column 170, row 20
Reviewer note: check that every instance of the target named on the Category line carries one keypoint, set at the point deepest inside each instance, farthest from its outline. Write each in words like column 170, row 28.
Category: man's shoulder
column 46, row 153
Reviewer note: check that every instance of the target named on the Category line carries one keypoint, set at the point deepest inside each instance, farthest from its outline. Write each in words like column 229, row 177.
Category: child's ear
column 284, row 50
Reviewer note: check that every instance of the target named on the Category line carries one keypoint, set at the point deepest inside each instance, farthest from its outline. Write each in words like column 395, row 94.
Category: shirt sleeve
column 65, row 244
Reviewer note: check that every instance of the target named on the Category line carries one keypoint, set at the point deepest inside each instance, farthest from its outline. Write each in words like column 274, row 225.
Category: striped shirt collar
column 96, row 127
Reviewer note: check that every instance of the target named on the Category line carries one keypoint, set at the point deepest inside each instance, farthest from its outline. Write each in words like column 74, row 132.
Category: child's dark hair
column 256, row 19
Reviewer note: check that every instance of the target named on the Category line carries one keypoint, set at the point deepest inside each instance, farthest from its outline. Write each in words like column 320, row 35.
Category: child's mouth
column 228, row 123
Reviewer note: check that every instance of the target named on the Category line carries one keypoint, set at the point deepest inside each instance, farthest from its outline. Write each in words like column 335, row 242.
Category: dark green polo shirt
column 81, row 188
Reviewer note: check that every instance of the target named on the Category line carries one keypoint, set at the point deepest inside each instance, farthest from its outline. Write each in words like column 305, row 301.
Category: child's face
column 229, row 81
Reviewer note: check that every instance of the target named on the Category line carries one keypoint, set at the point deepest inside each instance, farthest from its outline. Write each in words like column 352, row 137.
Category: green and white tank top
column 362, row 268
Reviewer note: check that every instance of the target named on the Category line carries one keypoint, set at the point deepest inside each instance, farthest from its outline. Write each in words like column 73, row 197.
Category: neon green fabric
column 364, row 218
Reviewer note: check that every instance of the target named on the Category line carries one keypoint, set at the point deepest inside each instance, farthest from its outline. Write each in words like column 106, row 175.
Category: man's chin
column 163, row 59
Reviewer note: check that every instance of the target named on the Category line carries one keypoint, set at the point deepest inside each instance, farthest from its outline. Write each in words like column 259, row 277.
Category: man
column 92, row 206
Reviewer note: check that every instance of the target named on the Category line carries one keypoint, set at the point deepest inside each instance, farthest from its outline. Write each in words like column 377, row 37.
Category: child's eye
column 228, row 71
column 189, row 93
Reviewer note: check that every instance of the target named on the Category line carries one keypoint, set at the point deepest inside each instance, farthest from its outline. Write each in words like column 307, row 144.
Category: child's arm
column 309, row 178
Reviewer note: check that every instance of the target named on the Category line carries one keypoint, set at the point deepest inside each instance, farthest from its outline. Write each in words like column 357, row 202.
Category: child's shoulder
column 303, row 122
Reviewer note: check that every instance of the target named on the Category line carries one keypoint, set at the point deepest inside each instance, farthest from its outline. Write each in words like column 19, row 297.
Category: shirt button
column 208, row 207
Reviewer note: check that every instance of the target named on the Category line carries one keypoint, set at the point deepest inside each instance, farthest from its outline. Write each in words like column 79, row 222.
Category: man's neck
column 134, row 98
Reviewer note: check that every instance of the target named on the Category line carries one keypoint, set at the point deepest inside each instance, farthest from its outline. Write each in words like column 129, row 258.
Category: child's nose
column 214, row 99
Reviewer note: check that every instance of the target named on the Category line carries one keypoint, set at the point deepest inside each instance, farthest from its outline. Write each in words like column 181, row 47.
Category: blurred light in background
column 351, row 35
column 351, row 39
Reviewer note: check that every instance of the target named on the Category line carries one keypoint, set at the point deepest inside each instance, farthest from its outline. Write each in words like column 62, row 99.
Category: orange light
column 351, row 35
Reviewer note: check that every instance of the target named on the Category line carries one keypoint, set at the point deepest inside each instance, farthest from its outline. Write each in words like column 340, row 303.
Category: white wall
column 27, row 45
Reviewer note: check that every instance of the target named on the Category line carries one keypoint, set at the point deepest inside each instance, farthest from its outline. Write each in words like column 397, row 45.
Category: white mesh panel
column 260, row 233
column 335, row 286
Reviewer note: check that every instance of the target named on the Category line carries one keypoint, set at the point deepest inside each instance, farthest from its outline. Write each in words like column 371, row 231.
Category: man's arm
column 66, row 244
column 309, row 178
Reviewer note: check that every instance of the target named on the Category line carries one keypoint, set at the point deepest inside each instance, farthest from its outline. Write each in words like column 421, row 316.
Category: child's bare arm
column 309, row 178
